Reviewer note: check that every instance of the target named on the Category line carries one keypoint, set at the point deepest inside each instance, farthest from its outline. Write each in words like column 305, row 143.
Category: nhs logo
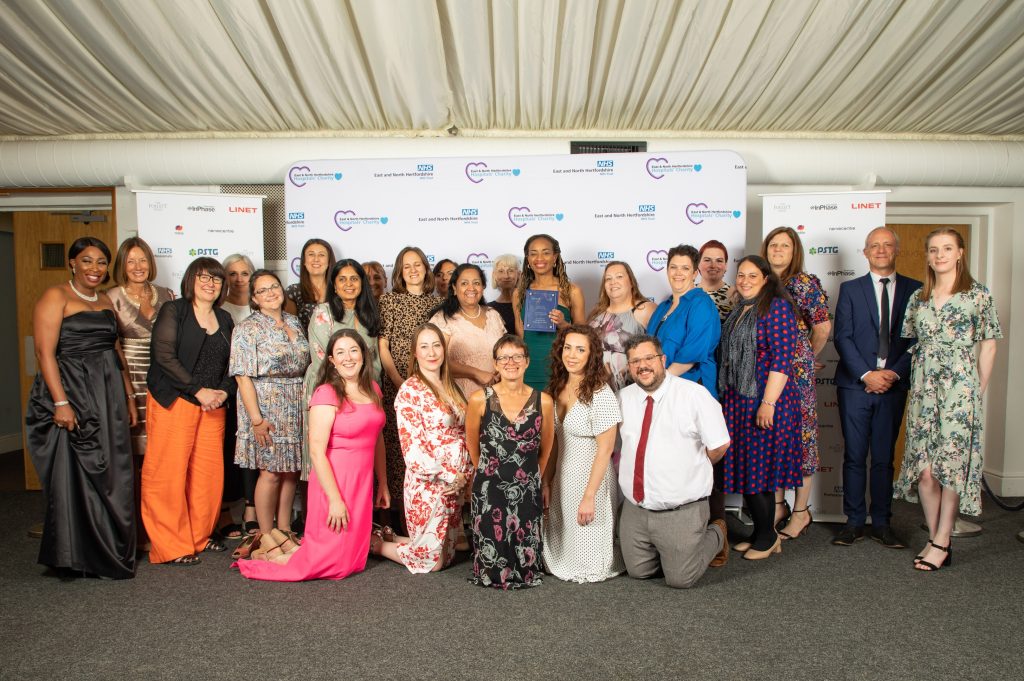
column 470, row 212
column 607, row 163
column 606, row 255
column 646, row 208
column 297, row 215
column 425, row 168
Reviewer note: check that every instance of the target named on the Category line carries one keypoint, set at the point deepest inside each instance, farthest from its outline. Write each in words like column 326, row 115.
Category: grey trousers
column 679, row 542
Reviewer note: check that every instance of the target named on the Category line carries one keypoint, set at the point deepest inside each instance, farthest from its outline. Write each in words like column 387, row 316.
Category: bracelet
column 259, row 424
column 62, row 403
column 770, row 404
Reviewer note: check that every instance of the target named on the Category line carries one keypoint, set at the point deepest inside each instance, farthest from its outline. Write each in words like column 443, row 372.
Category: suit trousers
column 678, row 542
column 182, row 477
column 870, row 423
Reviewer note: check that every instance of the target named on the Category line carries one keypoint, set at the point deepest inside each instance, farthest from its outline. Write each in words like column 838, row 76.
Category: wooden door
column 913, row 263
column 31, row 231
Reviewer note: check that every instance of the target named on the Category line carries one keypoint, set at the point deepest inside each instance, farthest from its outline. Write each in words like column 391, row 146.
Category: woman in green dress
column 950, row 316
column 544, row 270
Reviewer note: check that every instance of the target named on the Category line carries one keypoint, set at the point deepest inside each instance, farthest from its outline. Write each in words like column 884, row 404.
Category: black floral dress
column 507, row 502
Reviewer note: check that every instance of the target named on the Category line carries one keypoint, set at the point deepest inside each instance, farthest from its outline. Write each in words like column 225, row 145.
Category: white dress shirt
column 685, row 423
column 876, row 280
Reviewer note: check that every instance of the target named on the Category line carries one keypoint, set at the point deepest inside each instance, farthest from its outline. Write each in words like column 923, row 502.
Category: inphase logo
column 606, row 163
column 470, row 212
column 202, row 209
column 297, row 215
column 823, row 250
column 840, row 273
column 424, row 167
column 203, row 251
column 825, row 206
column 645, row 208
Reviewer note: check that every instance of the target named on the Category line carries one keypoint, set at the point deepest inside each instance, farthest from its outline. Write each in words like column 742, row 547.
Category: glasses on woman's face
column 515, row 359
column 209, row 278
column 267, row 289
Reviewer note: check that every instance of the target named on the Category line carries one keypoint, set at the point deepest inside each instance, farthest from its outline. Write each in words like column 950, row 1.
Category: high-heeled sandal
column 266, row 546
column 282, row 538
column 810, row 519
column 250, row 543
column 781, row 522
column 376, row 542
column 932, row 567
column 383, row 531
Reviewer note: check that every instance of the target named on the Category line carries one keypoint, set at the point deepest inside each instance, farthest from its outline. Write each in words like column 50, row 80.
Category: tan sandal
column 282, row 538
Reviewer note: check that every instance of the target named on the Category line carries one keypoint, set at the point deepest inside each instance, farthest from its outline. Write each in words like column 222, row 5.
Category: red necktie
column 641, row 449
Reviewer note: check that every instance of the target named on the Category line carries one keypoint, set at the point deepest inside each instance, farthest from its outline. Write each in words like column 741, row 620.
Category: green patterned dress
column 944, row 415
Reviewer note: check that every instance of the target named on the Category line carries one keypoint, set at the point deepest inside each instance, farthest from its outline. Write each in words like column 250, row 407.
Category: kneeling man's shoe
column 722, row 557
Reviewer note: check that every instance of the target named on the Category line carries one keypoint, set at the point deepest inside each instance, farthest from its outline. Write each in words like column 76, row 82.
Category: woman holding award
column 545, row 302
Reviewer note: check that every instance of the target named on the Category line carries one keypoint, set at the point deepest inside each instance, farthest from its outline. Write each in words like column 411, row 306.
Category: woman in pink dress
column 430, row 409
column 346, row 447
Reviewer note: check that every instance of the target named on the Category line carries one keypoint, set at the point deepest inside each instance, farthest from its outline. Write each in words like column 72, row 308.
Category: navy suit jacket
column 855, row 331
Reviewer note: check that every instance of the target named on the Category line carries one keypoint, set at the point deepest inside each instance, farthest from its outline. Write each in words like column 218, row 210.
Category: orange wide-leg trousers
column 182, row 477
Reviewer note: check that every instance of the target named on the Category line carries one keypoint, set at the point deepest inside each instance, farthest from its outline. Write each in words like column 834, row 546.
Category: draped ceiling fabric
column 124, row 68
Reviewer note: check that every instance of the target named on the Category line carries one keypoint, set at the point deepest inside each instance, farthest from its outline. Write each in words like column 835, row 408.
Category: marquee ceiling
column 124, row 68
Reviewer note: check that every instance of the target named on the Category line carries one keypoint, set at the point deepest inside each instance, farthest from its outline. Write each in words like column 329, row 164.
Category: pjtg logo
column 203, row 251
column 824, row 250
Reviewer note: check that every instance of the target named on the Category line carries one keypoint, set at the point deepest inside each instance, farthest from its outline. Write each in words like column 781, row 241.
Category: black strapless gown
column 86, row 474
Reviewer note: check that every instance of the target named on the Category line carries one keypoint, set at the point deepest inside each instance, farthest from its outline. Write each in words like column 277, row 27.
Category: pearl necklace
column 92, row 299
column 138, row 302
column 479, row 311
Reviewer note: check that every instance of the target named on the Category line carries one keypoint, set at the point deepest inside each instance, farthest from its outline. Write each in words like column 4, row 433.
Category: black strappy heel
column 931, row 567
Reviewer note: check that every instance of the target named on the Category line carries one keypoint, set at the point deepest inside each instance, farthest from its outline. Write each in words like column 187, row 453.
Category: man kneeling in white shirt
column 672, row 432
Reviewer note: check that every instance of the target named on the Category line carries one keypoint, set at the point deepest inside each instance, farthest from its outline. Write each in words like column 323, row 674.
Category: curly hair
column 595, row 374
column 527, row 276
column 328, row 374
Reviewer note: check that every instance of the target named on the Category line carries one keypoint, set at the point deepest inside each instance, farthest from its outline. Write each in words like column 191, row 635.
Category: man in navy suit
column 872, row 382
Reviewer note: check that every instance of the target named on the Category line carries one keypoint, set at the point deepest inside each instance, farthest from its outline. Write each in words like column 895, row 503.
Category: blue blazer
column 690, row 335
column 855, row 331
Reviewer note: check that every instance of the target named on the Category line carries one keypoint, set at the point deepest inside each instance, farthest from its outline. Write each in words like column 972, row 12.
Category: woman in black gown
column 79, row 414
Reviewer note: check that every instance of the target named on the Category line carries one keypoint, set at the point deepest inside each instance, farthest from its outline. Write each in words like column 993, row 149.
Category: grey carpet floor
column 813, row 612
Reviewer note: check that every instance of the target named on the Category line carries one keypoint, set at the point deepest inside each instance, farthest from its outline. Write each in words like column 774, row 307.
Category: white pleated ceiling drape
column 244, row 67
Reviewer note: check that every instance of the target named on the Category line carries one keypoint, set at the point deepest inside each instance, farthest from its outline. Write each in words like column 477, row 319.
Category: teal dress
column 539, row 342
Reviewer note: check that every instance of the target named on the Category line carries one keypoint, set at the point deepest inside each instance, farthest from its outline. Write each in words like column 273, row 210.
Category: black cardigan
column 177, row 339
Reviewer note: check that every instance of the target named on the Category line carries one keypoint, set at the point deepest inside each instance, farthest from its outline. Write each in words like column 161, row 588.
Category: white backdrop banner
column 182, row 227
column 833, row 228
column 630, row 207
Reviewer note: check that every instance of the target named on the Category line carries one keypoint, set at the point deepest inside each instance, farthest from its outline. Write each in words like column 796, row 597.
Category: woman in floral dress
column 950, row 316
column 430, row 410
column 269, row 355
column 402, row 310
column 784, row 252
column 509, row 456
column 302, row 298
column 621, row 313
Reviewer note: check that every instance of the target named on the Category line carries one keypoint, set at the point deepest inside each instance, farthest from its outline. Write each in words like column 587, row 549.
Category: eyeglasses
column 505, row 359
column 209, row 278
column 637, row 361
column 267, row 289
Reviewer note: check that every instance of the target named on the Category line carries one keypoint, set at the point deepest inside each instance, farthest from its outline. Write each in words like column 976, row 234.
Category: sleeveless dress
column 87, row 473
column 539, row 342
column 326, row 554
column 507, row 504
column 615, row 329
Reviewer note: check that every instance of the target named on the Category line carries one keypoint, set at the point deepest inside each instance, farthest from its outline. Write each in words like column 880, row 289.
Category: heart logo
column 477, row 257
column 697, row 167
column 337, row 176
column 295, row 267
column 656, row 159
column 339, row 215
column 294, row 170
column 693, row 207
column 474, row 164
column 559, row 216
column 656, row 260
column 737, row 213
column 517, row 209
column 516, row 171
column 384, row 220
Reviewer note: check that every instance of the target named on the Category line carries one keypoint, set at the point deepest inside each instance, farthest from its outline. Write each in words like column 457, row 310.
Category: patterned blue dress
column 765, row 460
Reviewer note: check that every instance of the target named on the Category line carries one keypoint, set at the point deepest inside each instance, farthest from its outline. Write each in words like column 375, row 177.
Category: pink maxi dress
column 326, row 554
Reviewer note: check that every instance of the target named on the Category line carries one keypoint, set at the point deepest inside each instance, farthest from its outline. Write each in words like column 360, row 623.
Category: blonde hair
column 447, row 382
column 509, row 260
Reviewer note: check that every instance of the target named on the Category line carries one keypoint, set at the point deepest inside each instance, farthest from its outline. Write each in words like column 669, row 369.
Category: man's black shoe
column 848, row 535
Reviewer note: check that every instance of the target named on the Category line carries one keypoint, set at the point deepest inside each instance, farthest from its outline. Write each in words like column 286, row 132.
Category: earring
column 72, row 270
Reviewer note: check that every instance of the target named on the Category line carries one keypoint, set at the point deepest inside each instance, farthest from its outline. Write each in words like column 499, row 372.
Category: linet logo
column 864, row 206
column 241, row 209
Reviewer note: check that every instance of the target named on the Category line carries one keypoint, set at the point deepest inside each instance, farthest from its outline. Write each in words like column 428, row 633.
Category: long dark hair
column 398, row 278
column 84, row 242
column 366, row 305
column 450, row 305
column 595, row 374
column 773, row 286
column 328, row 374
column 527, row 276
column 796, row 265
column 305, row 281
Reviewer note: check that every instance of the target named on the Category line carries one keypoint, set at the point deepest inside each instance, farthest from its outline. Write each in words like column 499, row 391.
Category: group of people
column 416, row 422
